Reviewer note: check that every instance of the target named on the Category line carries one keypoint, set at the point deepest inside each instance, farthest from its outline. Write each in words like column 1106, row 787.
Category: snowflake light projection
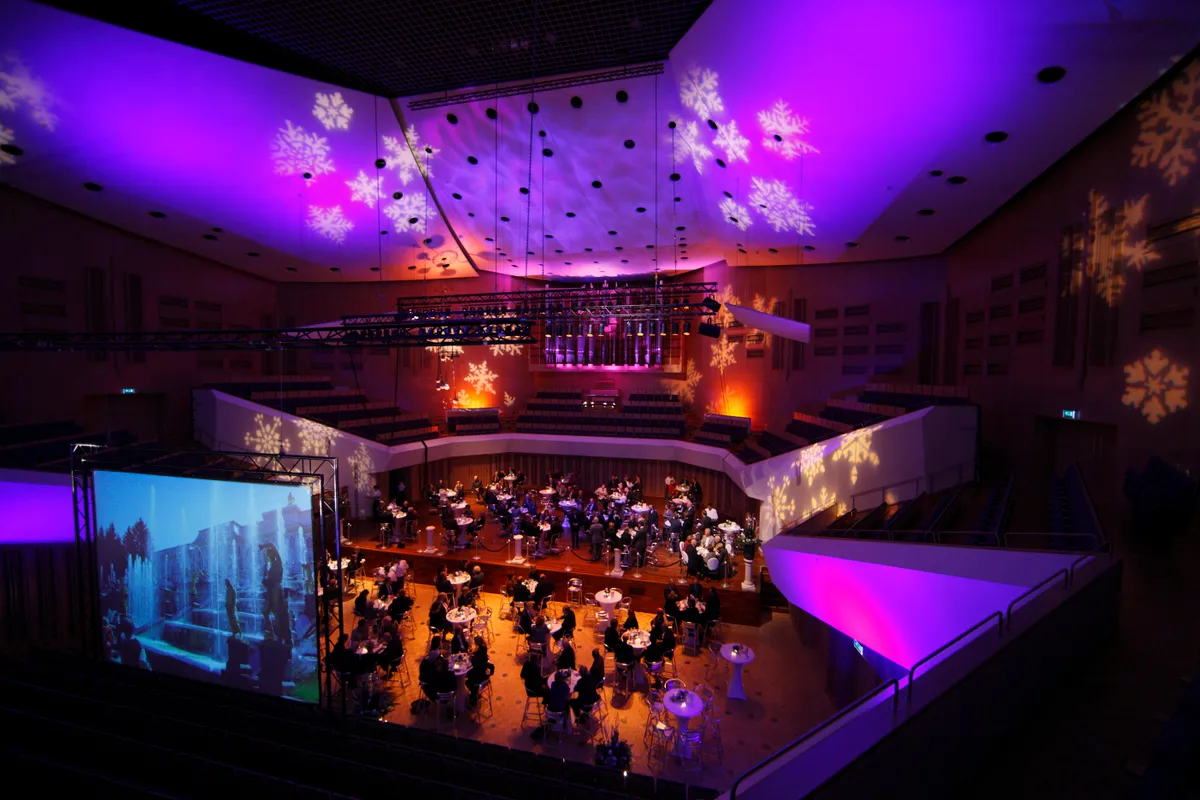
column 446, row 352
column 296, row 152
column 362, row 468
column 316, row 439
column 509, row 400
column 400, row 155
column 811, row 462
column 330, row 223
column 480, row 378
column 364, row 189
column 267, row 436
column 687, row 145
column 730, row 139
column 1155, row 386
column 766, row 306
column 780, row 505
column 698, row 91
column 724, row 403
column 1169, row 122
column 506, row 349
column 6, row 137
column 1114, row 241
column 686, row 388
column 410, row 212
column 784, row 132
column 818, row 503
column 736, row 214
column 19, row 87
column 726, row 297
column 856, row 449
column 724, row 355
column 332, row 112
column 783, row 210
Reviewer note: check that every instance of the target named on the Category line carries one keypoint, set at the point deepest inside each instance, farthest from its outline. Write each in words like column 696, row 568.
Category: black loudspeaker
column 709, row 330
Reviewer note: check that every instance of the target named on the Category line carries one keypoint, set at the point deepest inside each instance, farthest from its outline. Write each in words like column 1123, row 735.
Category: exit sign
column 1070, row 413
column 128, row 391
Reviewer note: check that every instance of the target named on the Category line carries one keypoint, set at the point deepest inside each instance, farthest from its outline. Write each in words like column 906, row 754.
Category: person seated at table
column 361, row 632
column 707, row 540
column 340, row 659
column 712, row 607
column 520, row 591
column 526, row 618
column 458, row 489
column 560, row 694
column 476, row 577
column 362, row 605
column 597, row 669
column 693, row 558
column 393, row 649
column 556, row 531
column 587, row 693
column 568, row 624
column 657, row 624
column 670, row 599
column 612, row 637
column 624, row 653
column 535, row 683
column 459, row 643
column 386, row 625
column 400, row 605
column 541, row 631
column 544, row 590
column 466, row 598
column 631, row 621
column 437, row 613
column 481, row 670
column 566, row 656
column 442, row 581
column 690, row 612
column 696, row 589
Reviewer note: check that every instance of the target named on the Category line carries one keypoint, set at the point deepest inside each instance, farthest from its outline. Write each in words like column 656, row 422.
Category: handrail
column 1102, row 548
column 1066, row 584
column 814, row 731
column 1087, row 495
column 912, row 673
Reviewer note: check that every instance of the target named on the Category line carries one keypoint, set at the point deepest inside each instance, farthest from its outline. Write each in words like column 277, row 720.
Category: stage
column 647, row 592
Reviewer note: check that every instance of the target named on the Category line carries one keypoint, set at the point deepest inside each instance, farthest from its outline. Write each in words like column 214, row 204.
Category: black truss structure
column 668, row 301
column 387, row 330
column 317, row 474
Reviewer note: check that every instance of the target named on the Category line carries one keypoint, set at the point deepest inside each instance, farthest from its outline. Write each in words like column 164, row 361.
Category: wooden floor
column 647, row 591
column 784, row 689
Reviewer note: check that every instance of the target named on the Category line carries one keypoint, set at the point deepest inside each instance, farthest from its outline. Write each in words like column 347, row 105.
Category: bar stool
column 484, row 695
column 447, row 701
column 537, row 715
column 575, row 591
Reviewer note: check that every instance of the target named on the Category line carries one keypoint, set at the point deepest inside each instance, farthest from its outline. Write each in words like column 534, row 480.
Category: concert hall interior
column 621, row 399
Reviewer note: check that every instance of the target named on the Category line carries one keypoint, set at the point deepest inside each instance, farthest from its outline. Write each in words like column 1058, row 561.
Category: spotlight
column 709, row 330
column 711, row 304
column 442, row 386
column 687, row 329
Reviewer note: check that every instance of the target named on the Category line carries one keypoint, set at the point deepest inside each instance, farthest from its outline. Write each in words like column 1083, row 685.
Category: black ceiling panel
column 398, row 49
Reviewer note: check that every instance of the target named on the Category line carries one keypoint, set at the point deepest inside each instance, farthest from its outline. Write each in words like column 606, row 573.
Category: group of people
column 436, row 676
column 662, row 640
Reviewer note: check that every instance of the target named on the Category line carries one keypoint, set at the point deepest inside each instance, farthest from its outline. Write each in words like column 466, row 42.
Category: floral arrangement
column 614, row 754
column 679, row 696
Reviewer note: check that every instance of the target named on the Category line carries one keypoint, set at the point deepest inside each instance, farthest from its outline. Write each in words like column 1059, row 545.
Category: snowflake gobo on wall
column 1170, row 124
column 1155, row 386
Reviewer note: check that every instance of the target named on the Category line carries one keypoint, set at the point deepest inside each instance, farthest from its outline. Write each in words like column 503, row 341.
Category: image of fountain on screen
column 209, row 579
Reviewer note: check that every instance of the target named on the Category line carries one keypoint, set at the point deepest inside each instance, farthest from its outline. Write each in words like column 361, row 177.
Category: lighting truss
column 667, row 302
column 548, row 85
column 385, row 330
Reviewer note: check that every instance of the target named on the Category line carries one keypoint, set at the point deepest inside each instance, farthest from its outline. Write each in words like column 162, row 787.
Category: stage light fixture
column 687, row 329
column 709, row 330
column 711, row 304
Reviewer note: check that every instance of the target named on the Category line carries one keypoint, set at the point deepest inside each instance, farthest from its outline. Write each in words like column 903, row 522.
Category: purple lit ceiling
column 866, row 98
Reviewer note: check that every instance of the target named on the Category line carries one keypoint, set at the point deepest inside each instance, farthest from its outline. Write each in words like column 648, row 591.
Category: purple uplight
column 902, row 614
column 37, row 508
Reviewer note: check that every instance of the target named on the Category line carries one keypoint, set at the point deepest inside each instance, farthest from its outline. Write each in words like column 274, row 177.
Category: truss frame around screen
column 305, row 470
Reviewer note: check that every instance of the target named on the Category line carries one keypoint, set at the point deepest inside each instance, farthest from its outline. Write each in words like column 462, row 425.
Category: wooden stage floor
column 647, row 592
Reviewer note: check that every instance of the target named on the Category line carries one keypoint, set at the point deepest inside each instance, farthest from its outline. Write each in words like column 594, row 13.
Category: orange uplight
column 469, row 399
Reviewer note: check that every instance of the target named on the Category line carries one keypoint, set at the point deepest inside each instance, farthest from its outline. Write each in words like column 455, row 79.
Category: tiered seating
column 912, row 396
column 814, row 429
column 849, row 416
column 563, row 412
column 1070, row 511
column 722, row 430
column 469, row 421
column 47, row 445
column 775, row 444
column 208, row 741
column 342, row 408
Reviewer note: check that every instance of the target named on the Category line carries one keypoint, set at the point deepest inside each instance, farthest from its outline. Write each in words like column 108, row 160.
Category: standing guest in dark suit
column 544, row 590
column 597, row 669
column 596, row 535
column 693, row 558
